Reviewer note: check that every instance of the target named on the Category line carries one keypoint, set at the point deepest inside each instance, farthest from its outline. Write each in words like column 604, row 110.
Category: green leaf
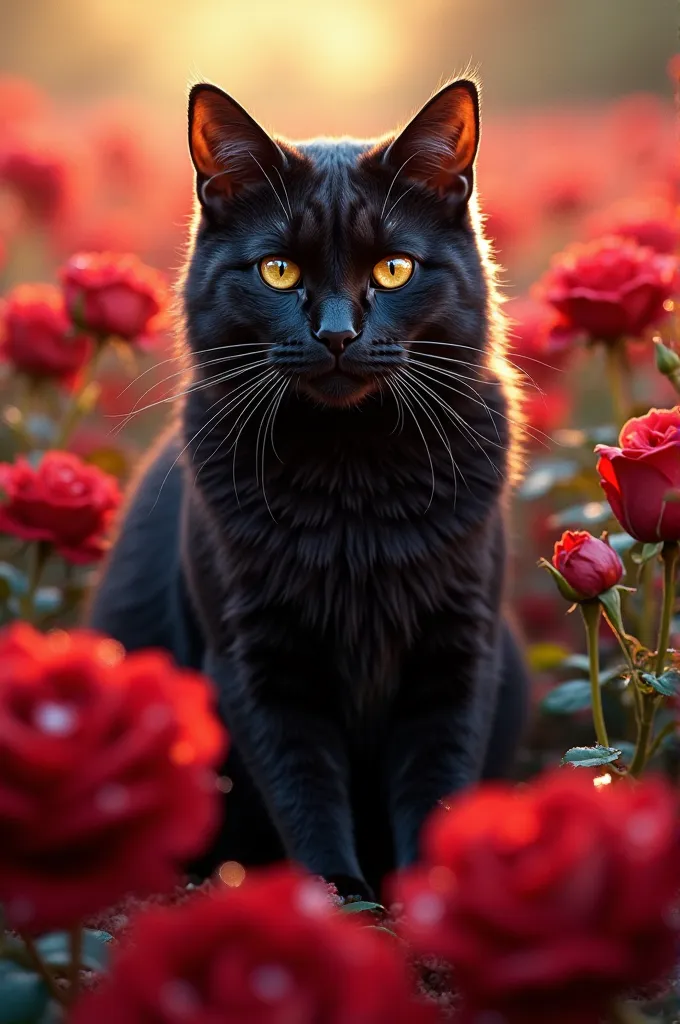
column 668, row 684
column 590, row 757
column 567, row 698
column 23, row 995
column 647, row 552
column 360, row 906
column 55, row 949
column 627, row 749
column 611, row 602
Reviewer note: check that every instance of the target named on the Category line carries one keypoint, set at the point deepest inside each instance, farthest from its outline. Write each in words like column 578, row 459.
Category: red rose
column 105, row 786
column 64, row 502
column 551, row 899
column 539, row 341
column 37, row 335
column 273, row 951
column 38, row 176
column 653, row 223
column 588, row 565
column 110, row 294
column 609, row 288
column 638, row 476
column 544, row 412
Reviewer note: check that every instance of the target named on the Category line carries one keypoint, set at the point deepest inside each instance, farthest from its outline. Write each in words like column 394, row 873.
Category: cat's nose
column 336, row 341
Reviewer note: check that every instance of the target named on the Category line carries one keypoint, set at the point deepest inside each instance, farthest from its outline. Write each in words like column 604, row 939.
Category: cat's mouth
column 337, row 387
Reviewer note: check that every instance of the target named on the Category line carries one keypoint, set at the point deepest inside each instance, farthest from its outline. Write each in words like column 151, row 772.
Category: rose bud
column 590, row 566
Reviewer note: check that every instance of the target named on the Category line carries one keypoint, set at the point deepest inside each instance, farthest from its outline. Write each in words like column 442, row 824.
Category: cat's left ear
column 438, row 146
column 229, row 149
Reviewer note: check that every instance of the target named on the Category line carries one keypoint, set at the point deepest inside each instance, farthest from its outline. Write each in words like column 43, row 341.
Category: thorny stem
column 591, row 611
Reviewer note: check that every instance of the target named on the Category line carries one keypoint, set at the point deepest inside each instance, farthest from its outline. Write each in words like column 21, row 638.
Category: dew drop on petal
column 55, row 719
column 112, row 798
column 224, row 784
column 271, row 982
column 179, row 998
column 312, row 900
column 426, row 908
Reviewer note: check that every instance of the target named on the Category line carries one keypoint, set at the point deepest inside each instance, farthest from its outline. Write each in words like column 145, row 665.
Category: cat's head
column 335, row 262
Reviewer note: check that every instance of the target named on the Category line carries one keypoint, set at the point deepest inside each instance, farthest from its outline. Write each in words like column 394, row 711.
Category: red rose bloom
column 110, row 294
column 609, row 289
column 105, row 786
column 551, row 899
column 588, row 565
column 653, row 223
column 39, row 177
column 638, row 476
column 37, row 335
column 273, row 951
column 64, row 501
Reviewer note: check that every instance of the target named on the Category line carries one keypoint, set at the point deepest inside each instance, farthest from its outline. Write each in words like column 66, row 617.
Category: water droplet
column 224, row 784
column 271, row 982
column 56, row 719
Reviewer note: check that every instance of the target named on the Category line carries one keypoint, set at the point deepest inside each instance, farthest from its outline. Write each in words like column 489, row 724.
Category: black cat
column 323, row 533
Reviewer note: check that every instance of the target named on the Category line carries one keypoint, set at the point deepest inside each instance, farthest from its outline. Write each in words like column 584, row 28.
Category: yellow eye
column 280, row 273
column 393, row 271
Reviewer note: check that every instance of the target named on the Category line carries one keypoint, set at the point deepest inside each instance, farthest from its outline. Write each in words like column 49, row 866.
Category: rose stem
column 670, row 558
column 72, row 414
column 617, row 373
column 43, row 970
column 591, row 611
column 37, row 556
column 650, row 704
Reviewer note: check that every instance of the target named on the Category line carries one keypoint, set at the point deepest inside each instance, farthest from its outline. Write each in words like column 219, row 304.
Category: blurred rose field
column 554, row 900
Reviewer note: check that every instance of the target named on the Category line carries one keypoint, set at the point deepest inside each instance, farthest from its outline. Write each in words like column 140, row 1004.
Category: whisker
column 271, row 412
column 285, row 211
column 211, row 382
column 449, row 373
column 425, row 406
column 396, row 385
column 471, row 348
column 285, row 191
column 189, row 369
column 464, row 428
column 200, row 430
column 268, row 387
column 382, row 212
column 173, row 359
column 404, row 193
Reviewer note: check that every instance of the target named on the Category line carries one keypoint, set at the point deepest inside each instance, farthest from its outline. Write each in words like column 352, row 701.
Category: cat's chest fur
column 357, row 535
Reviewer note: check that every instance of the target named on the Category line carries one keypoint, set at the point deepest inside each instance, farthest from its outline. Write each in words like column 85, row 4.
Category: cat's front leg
column 441, row 727
column 297, row 757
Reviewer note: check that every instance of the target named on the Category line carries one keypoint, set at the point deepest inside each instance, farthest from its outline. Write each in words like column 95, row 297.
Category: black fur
column 329, row 545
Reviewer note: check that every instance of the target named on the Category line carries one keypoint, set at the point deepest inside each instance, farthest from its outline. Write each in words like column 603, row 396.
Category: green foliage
column 591, row 757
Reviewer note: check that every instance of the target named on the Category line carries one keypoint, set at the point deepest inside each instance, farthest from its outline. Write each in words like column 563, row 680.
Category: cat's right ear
column 229, row 150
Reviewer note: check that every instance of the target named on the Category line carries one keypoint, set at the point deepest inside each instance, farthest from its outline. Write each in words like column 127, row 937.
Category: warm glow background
column 309, row 67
